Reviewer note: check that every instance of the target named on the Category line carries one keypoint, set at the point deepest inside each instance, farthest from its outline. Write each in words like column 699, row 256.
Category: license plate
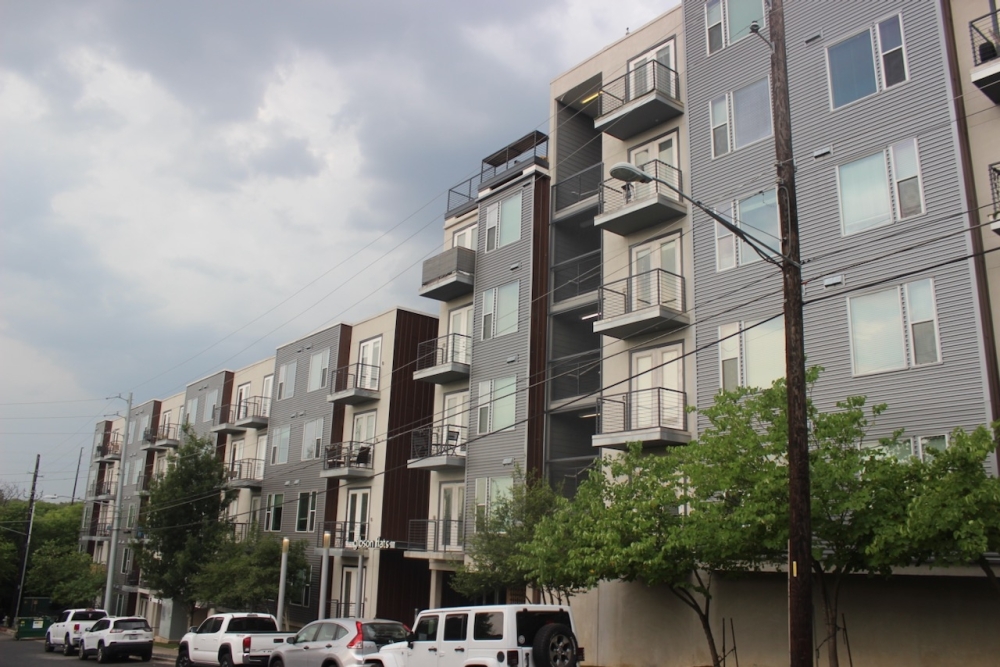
column 133, row 637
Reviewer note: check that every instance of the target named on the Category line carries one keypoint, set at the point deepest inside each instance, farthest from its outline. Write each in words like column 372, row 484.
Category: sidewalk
column 164, row 652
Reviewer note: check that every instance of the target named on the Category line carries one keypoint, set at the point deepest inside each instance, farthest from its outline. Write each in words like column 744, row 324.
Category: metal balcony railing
column 645, row 78
column 985, row 34
column 255, row 406
column 616, row 194
column 529, row 147
column 102, row 530
column 453, row 348
column 576, row 276
column 144, row 482
column 436, row 535
column 657, row 407
column 240, row 530
column 343, row 534
column 246, row 469
column 108, row 449
column 581, row 185
column 105, row 487
column 340, row 609
column 349, row 455
column 355, row 376
column 162, row 432
column 651, row 288
column 438, row 440
column 575, row 375
column 995, row 186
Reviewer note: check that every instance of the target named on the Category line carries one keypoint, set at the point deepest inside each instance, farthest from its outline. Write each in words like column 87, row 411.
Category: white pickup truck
column 515, row 635
column 231, row 639
column 69, row 628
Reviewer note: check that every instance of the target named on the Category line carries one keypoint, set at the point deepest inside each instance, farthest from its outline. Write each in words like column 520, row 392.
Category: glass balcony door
column 652, row 370
column 649, row 286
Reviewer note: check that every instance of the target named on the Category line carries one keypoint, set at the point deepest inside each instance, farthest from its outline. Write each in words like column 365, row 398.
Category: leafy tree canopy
column 66, row 575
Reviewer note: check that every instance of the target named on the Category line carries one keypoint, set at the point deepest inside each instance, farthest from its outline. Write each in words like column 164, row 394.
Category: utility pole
column 800, row 628
column 27, row 540
column 116, row 516
column 72, row 499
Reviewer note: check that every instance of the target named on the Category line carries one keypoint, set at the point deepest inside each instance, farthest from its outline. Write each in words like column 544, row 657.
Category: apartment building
column 102, row 489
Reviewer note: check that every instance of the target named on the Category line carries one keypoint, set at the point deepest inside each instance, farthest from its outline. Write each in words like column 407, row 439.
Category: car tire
column 146, row 657
column 48, row 644
column 67, row 646
column 182, row 658
column 102, row 656
column 226, row 660
column 277, row 662
column 554, row 646
column 83, row 651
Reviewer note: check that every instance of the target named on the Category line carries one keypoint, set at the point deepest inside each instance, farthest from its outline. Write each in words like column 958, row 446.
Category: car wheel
column 83, row 651
column 225, row 660
column 277, row 662
column 146, row 657
column 67, row 646
column 48, row 644
column 554, row 646
column 102, row 656
column 182, row 658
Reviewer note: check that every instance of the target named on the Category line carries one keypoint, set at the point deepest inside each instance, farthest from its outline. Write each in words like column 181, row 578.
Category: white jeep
column 514, row 635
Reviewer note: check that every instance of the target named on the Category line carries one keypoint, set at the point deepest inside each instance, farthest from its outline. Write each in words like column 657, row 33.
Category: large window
column 500, row 306
column 496, row 404
column 467, row 237
column 279, row 444
column 884, row 339
column 852, row 62
column 191, row 411
column 728, row 21
column 272, row 511
column 305, row 519
column 286, row 380
column 503, row 222
column 211, row 400
column 751, row 356
column 870, row 198
column 758, row 216
column 319, row 365
column 741, row 117
column 917, row 447
column 489, row 491
column 312, row 439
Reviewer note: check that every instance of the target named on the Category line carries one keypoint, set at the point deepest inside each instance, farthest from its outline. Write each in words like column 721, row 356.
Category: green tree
column 245, row 574
column 183, row 523
column 69, row 577
column 494, row 548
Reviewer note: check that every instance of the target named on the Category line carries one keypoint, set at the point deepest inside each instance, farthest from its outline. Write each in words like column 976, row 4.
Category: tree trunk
column 990, row 574
column 830, row 601
column 688, row 599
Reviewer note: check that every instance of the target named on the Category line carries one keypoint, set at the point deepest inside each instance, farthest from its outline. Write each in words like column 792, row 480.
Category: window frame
column 909, row 350
column 891, row 183
column 881, row 54
column 273, row 512
column 494, row 220
column 487, row 401
column 908, row 309
column 279, row 445
column 318, row 371
column 305, row 512
column 491, row 309
column 730, row 213
column 875, row 43
column 742, row 327
column 285, row 387
column 312, row 441
column 713, row 125
column 727, row 40
column 894, row 179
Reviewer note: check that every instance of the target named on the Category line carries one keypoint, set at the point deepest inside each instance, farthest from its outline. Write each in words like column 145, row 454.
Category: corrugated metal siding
column 925, row 400
column 578, row 143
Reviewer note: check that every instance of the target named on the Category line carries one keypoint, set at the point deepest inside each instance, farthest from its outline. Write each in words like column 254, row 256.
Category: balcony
column 654, row 417
column 443, row 360
column 436, row 538
column 166, row 436
column 440, row 447
column 224, row 418
column 246, row 473
column 626, row 208
column 995, row 187
column 253, row 413
column 240, row 530
column 985, row 35
column 354, row 384
column 449, row 275
column 344, row 536
column 575, row 282
column 349, row 460
column 507, row 163
column 649, row 302
column 577, row 193
column 573, row 377
column 101, row 531
column 640, row 100
column 144, row 482
column 104, row 489
column 110, row 450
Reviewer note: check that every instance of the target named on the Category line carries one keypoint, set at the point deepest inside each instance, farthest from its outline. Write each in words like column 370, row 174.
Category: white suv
column 111, row 638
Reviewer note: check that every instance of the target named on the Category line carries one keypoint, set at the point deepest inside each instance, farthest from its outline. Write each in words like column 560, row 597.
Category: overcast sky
column 186, row 185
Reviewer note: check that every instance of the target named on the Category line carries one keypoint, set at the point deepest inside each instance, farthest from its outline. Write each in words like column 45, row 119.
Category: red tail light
column 358, row 638
column 76, row 627
column 246, row 644
column 512, row 658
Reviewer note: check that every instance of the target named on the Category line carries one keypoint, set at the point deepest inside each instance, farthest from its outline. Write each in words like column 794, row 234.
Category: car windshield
column 384, row 633
column 133, row 624
column 88, row 615
column 252, row 624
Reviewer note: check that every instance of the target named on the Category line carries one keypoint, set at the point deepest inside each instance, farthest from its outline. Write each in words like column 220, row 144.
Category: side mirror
column 410, row 638
column 290, row 640
column 193, row 628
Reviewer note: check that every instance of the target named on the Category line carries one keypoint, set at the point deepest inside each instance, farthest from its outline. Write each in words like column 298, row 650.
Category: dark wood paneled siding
column 538, row 341
column 411, row 404
column 578, row 143
column 405, row 586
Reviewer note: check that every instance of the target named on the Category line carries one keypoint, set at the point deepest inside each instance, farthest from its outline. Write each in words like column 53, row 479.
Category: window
column 503, row 222
column 191, row 412
column 305, row 520
column 738, row 15
column 426, row 630
column 272, row 511
column 758, row 215
column 466, row 238
column 751, row 113
column 130, row 522
column 500, row 305
column 866, row 190
column 753, row 357
column 456, row 627
column 279, row 444
column 851, row 63
column 286, row 380
column 211, row 400
column 319, row 365
column 719, row 113
column 126, row 561
column 490, row 490
column 312, row 439
column 305, row 592
column 880, row 334
column 265, row 408
column 496, row 404
column 906, row 448
column 131, row 431
column 488, row 626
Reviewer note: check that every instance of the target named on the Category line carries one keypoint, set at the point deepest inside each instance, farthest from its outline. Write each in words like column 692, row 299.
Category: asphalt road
column 30, row 653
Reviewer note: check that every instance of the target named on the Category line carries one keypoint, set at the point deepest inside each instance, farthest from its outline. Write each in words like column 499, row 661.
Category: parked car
column 231, row 639
column 343, row 642
column 69, row 628
column 512, row 634
column 111, row 638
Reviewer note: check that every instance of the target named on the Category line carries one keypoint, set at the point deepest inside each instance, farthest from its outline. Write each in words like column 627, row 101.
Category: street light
column 281, row 583
column 323, row 574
